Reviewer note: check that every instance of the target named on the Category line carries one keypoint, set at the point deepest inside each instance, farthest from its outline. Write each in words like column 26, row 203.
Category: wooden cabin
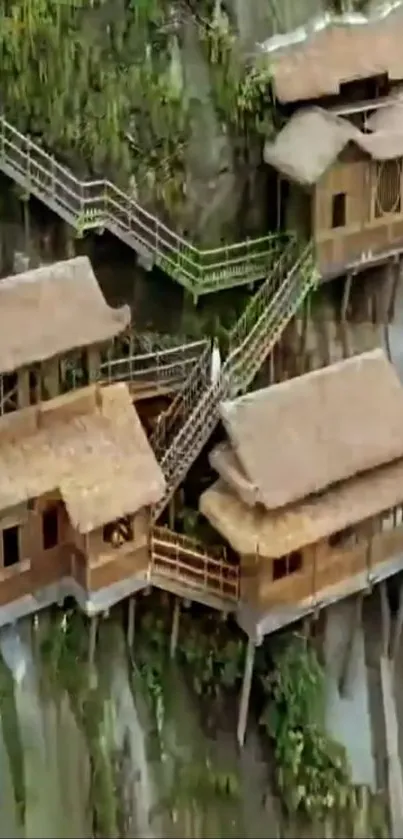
column 54, row 322
column 77, row 481
column 310, row 489
column 341, row 187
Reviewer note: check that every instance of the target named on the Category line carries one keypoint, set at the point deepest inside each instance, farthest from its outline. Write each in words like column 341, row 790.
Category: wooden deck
column 184, row 566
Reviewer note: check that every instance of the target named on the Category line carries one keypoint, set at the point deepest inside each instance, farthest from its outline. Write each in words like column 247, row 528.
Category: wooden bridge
column 99, row 205
column 185, row 567
column 155, row 373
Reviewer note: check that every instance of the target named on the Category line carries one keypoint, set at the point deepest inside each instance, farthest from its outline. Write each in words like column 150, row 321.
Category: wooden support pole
column 348, row 654
column 397, row 275
column 131, row 618
column 27, row 227
column 92, row 639
column 398, row 627
column 346, row 297
column 171, row 512
column 245, row 693
column 385, row 618
column 175, row 627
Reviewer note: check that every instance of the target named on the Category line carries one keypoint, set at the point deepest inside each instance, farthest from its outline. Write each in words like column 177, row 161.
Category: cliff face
column 162, row 96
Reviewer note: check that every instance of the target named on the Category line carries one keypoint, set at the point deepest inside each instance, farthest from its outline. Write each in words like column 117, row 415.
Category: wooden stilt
column 346, row 297
column 27, row 226
column 306, row 311
column 398, row 627
column 92, row 639
column 397, row 275
column 245, row 693
column 131, row 617
column 348, row 655
column 175, row 627
column 385, row 618
column 171, row 513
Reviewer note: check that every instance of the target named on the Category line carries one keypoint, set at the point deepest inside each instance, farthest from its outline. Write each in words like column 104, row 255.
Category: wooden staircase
column 99, row 205
column 183, row 565
column 194, row 413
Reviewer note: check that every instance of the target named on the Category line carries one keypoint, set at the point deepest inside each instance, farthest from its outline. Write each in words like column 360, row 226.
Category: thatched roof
column 341, row 53
column 313, row 139
column 255, row 531
column 302, row 435
column 52, row 310
column 90, row 447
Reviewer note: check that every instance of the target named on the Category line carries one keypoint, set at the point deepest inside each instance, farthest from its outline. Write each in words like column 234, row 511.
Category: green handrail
column 99, row 204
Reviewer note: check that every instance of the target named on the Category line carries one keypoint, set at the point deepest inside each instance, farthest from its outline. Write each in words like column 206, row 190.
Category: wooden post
column 397, row 634
column 306, row 311
column 27, row 227
column 347, row 658
column 385, row 618
column 171, row 513
column 397, row 275
column 131, row 617
column 175, row 627
column 92, row 639
column 245, row 693
column 346, row 297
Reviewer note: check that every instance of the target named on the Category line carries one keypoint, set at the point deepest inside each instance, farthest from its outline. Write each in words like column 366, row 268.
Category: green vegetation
column 64, row 652
column 101, row 83
column 313, row 775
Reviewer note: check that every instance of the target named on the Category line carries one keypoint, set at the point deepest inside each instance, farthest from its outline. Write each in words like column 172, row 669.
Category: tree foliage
column 100, row 84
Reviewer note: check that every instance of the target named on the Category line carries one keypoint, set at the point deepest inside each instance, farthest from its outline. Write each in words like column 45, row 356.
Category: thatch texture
column 313, row 139
column 52, row 310
column 338, row 54
column 302, row 435
column 90, row 446
column 270, row 535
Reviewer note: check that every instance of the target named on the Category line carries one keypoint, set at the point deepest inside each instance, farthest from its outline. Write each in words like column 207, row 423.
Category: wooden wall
column 355, row 175
column 91, row 562
column 369, row 544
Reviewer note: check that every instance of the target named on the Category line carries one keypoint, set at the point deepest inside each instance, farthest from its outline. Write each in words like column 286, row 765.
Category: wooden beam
column 348, row 654
column 245, row 692
column 175, row 628
column 131, row 620
column 92, row 641
column 398, row 627
column 385, row 618
column 346, row 296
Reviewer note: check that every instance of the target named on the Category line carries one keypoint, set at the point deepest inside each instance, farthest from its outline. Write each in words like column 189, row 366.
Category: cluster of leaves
column 213, row 658
column 91, row 80
column 313, row 773
column 242, row 93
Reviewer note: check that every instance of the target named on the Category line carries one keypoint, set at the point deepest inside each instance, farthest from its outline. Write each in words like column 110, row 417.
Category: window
column 339, row 210
column 8, row 393
column 118, row 532
column 50, row 528
column 11, row 546
column 285, row 565
column 388, row 188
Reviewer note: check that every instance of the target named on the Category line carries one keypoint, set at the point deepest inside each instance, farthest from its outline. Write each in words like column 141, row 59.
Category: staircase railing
column 162, row 368
column 266, row 316
column 100, row 204
column 186, row 562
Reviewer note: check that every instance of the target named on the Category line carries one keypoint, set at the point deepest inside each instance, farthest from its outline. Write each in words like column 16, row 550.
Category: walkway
column 155, row 373
column 99, row 205
column 184, row 566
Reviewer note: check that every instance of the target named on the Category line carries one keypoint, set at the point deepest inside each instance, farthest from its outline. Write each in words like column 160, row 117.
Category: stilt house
column 77, row 474
column 310, row 488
